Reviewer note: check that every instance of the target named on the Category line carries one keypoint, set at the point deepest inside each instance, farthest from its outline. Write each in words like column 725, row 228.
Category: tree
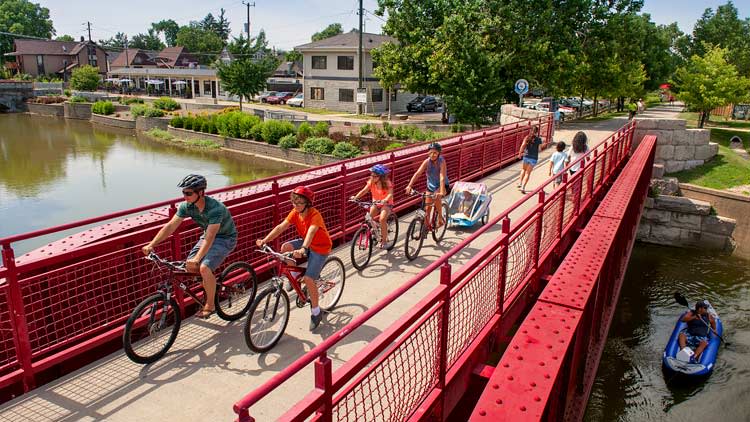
column 197, row 40
column 169, row 28
column 328, row 32
column 388, row 76
column 710, row 81
column 65, row 38
column 723, row 29
column 239, row 46
column 85, row 78
column 118, row 41
column 293, row 56
column 219, row 27
column 149, row 41
column 245, row 77
column 23, row 18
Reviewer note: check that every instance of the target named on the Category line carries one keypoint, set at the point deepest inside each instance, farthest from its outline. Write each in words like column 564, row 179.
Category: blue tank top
column 433, row 174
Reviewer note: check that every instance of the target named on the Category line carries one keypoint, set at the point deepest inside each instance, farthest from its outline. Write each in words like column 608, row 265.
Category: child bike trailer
column 468, row 203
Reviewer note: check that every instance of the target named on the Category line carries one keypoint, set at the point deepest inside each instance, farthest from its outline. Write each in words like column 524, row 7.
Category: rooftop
column 347, row 41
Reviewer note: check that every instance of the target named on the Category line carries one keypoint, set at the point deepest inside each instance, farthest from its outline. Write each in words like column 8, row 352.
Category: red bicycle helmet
column 306, row 192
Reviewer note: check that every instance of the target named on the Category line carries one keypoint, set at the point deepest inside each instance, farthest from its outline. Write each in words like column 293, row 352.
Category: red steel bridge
column 539, row 296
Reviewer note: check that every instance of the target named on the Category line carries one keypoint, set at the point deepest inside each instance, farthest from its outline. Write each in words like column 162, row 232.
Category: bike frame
column 282, row 269
column 422, row 212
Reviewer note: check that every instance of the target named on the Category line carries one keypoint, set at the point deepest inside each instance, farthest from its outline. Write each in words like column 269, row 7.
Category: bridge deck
column 209, row 367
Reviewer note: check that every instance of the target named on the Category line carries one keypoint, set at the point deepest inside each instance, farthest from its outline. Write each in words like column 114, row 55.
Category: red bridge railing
column 418, row 368
column 547, row 371
column 75, row 295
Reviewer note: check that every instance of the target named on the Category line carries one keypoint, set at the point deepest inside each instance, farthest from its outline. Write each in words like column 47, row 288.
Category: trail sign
column 522, row 86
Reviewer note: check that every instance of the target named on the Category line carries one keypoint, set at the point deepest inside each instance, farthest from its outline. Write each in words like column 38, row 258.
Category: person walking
column 579, row 149
column 529, row 153
column 557, row 163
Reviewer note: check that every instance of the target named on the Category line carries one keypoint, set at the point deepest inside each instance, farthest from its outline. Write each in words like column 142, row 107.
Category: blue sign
column 522, row 86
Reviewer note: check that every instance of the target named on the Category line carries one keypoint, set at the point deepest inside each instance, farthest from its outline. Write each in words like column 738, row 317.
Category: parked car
column 263, row 95
column 426, row 103
column 297, row 101
column 279, row 98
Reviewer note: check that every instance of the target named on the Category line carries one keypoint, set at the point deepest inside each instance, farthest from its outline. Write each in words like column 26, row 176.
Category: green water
column 630, row 385
column 55, row 171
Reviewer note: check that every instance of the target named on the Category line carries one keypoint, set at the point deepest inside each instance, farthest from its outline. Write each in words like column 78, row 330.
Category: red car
column 279, row 98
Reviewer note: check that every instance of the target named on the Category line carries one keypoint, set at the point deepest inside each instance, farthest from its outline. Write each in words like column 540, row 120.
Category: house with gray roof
column 331, row 74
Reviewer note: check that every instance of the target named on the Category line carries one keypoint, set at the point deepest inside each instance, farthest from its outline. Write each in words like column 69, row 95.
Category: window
column 317, row 94
column 92, row 57
column 40, row 64
column 376, row 95
column 346, row 62
column 319, row 62
column 346, row 95
column 393, row 95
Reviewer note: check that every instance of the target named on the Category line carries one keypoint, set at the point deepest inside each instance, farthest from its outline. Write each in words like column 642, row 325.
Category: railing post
column 481, row 152
column 445, row 283
column 539, row 226
column 323, row 381
column 275, row 212
column 593, row 174
column 176, row 242
column 505, row 230
column 460, row 156
column 18, row 319
column 562, row 204
column 342, row 216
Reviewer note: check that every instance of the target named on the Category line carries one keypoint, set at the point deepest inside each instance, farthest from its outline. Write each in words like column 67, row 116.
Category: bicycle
column 369, row 233
column 419, row 226
column 158, row 317
column 271, row 307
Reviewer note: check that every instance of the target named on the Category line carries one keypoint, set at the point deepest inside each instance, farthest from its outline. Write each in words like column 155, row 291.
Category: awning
column 179, row 83
column 125, row 80
column 112, row 80
column 154, row 82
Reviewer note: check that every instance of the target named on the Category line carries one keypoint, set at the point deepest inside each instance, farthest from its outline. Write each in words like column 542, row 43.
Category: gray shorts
column 315, row 260
column 217, row 253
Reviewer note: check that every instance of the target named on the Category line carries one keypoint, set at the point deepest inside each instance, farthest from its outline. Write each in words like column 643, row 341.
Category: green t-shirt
column 214, row 213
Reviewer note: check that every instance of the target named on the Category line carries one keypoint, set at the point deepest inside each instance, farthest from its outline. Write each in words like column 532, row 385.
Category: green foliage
column 67, row 93
column 722, row 28
column 177, row 121
column 245, row 77
column 85, row 78
column 365, row 129
column 169, row 28
column 118, row 41
column 65, row 37
column 203, row 143
column 293, row 56
column 194, row 38
column 166, row 104
column 330, row 31
column 304, row 131
column 394, row 145
column 130, row 100
column 4, row 73
column 24, row 18
column 103, row 107
column 273, row 130
column 148, row 41
column 288, row 141
column 77, row 99
column 159, row 133
column 145, row 111
column 318, row 145
column 457, row 128
column 235, row 124
column 345, row 150
column 256, row 132
column 320, row 129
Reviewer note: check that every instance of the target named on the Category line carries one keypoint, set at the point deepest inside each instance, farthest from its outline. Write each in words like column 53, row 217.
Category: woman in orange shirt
column 381, row 190
column 314, row 242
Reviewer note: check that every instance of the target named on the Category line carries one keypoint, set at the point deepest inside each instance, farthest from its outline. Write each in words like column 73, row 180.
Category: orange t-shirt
column 321, row 242
column 378, row 193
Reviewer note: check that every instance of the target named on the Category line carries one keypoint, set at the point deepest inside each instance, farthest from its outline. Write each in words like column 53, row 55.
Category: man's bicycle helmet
column 436, row 146
column 306, row 192
column 193, row 181
column 379, row 170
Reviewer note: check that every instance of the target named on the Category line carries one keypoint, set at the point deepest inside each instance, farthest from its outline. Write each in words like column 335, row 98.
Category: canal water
column 55, row 171
column 630, row 385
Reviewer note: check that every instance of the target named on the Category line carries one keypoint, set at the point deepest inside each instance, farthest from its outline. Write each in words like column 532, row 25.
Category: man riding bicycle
column 437, row 180
column 314, row 242
column 218, row 240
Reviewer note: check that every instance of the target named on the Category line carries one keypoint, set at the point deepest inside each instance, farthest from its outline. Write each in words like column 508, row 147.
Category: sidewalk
column 209, row 367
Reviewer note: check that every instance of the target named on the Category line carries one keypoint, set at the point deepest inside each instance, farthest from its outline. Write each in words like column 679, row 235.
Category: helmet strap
column 199, row 194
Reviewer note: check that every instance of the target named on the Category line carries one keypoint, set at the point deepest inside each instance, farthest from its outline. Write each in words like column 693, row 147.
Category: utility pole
column 248, row 4
column 360, row 82
column 88, row 24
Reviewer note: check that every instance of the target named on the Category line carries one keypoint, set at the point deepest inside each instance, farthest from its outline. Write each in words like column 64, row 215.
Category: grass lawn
column 714, row 121
column 727, row 169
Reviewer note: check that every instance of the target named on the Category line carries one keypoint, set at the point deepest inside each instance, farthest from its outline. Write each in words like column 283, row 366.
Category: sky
column 287, row 23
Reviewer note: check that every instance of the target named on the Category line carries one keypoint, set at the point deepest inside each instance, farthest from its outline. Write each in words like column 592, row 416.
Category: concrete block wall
column 81, row 111
column 677, row 147
column 13, row 95
column 112, row 121
column 147, row 123
column 52, row 110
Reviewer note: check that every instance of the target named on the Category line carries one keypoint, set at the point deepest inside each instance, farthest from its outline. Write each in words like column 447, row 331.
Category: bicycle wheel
column 485, row 218
column 267, row 320
column 151, row 329
column 235, row 291
column 361, row 248
column 414, row 238
column 392, row 231
column 331, row 283
column 438, row 233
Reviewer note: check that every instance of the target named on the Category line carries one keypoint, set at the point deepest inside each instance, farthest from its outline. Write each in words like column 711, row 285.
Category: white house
column 331, row 74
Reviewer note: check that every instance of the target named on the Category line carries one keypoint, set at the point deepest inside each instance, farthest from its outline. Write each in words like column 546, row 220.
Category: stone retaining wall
column 684, row 222
column 13, row 95
column 512, row 114
column 112, row 121
column 258, row 148
column 54, row 110
column 677, row 148
column 147, row 123
column 81, row 111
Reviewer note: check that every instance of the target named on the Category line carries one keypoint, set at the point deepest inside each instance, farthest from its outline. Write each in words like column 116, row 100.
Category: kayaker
column 696, row 333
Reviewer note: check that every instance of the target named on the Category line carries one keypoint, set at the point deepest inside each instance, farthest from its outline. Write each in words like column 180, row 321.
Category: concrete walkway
column 209, row 367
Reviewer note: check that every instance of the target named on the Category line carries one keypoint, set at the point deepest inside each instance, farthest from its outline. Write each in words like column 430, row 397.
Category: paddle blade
column 680, row 299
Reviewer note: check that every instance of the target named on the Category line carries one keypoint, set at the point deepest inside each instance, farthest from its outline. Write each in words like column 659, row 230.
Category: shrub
column 166, row 104
column 146, row 111
column 304, row 131
column 138, row 110
column 230, row 109
column 176, row 122
column 273, row 130
column 337, row 137
column 246, row 123
column 457, row 127
column 366, row 129
column 85, row 78
column 159, row 133
column 103, row 107
column 153, row 112
column 345, row 150
column 320, row 129
column 394, row 145
column 288, row 141
column 130, row 100
column 67, row 93
column 49, row 100
column 77, row 99
column 389, row 129
column 256, row 132
column 318, row 145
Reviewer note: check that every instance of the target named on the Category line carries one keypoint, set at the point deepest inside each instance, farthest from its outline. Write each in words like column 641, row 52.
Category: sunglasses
column 188, row 193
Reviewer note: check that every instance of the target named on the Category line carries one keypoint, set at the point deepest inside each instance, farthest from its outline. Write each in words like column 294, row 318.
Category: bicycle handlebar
column 424, row 194
column 285, row 257
column 366, row 204
column 173, row 265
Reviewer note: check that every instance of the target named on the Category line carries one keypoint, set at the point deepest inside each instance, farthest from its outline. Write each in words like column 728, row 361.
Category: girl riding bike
column 381, row 190
column 437, row 180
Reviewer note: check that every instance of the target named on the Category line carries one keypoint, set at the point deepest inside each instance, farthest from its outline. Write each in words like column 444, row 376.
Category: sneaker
column 315, row 320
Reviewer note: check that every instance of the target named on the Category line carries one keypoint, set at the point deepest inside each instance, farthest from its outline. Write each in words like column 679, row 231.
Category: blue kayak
column 708, row 357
